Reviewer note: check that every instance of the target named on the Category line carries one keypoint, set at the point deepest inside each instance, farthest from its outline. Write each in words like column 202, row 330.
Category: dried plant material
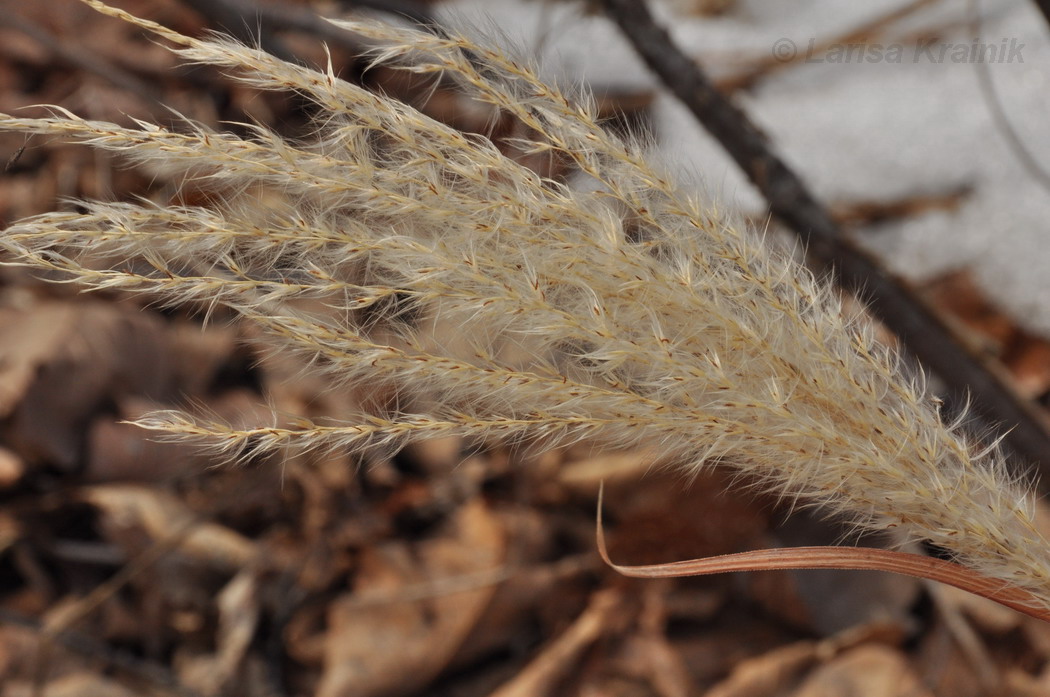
column 401, row 644
column 80, row 684
column 990, row 617
column 131, row 512
column 946, row 669
column 830, row 600
column 654, row 656
column 866, row 671
column 28, row 339
column 856, row 558
column 874, row 212
column 238, row 606
column 586, row 474
column 18, row 646
column 664, row 518
column 780, row 671
column 664, row 667
column 1020, row 684
column 1037, row 635
column 557, row 660
column 706, row 7
column 958, row 295
column 11, row 469
column 118, row 451
column 527, row 594
column 767, row 675
column 615, row 308
column 61, row 360
column 1025, row 355
column 1029, row 364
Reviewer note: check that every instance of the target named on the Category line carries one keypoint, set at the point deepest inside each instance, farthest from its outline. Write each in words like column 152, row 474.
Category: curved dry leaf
column 129, row 508
column 866, row 671
column 398, row 646
column 60, row 361
column 856, row 558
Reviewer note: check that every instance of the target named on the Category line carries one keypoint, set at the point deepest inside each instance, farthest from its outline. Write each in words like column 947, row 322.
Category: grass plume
column 620, row 309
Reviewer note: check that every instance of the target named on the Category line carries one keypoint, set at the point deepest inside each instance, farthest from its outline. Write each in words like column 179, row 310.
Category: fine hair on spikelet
column 623, row 311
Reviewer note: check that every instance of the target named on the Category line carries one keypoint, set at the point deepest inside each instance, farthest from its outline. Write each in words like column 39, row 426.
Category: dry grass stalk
column 621, row 310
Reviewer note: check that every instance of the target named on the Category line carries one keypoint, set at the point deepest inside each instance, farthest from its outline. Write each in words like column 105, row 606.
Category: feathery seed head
column 621, row 311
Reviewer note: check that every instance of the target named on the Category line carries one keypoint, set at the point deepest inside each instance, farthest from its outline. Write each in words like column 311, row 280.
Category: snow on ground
column 853, row 130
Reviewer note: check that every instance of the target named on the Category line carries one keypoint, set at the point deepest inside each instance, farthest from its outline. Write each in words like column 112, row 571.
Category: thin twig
column 138, row 668
column 542, row 675
column 441, row 587
column 967, row 639
column 103, row 592
column 851, row 214
column 1000, row 118
column 863, row 33
column 919, row 328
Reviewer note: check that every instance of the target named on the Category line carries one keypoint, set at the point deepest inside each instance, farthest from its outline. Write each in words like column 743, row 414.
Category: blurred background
column 134, row 567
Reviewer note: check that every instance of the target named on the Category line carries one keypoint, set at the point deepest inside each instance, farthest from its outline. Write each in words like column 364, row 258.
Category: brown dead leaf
column 768, row 674
column 83, row 684
column 130, row 512
column 989, row 616
column 11, row 469
column 866, row 671
column 1018, row 683
column 238, row 606
column 60, row 362
column 29, row 337
column 397, row 647
column 1028, row 360
column 1025, row 355
column 199, row 353
column 121, row 452
column 958, row 295
column 780, row 670
column 533, row 591
column 435, row 456
column 585, row 475
column 705, row 8
column 646, row 655
column 944, row 666
column 18, row 650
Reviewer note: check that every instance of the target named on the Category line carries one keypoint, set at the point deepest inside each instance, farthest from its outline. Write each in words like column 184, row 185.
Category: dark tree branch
column 917, row 326
column 1044, row 7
